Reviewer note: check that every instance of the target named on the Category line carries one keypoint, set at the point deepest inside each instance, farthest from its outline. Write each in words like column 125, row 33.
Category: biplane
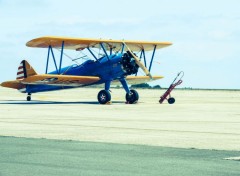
column 119, row 62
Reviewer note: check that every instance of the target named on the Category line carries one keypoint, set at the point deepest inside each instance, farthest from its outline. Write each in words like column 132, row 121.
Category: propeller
column 138, row 62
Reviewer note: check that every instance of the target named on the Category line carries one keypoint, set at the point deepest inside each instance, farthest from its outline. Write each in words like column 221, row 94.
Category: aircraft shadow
column 17, row 102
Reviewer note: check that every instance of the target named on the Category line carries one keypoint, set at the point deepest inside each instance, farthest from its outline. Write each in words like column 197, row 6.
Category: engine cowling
column 128, row 64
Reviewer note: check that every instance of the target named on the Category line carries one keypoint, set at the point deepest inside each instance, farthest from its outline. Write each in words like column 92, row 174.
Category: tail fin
column 25, row 70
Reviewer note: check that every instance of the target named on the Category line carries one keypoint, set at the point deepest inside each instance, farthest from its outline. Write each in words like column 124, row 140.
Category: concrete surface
column 198, row 119
column 44, row 157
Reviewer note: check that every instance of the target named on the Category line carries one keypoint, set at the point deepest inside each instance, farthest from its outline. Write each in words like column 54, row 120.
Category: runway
column 69, row 133
column 44, row 157
column 198, row 119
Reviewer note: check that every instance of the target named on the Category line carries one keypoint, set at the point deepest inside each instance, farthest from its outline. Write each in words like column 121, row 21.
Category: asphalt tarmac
column 43, row 157
column 69, row 133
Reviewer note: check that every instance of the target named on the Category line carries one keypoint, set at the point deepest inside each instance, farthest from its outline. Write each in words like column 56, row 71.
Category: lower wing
column 66, row 80
column 132, row 80
column 49, row 79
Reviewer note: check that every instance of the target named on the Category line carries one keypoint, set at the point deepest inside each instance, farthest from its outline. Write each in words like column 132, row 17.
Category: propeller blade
column 138, row 62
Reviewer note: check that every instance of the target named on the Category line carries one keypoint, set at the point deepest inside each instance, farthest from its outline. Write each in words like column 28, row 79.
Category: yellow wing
column 65, row 80
column 61, row 80
column 16, row 84
column 49, row 79
column 132, row 80
column 82, row 43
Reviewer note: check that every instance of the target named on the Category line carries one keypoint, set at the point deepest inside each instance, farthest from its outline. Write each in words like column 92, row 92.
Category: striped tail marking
column 21, row 74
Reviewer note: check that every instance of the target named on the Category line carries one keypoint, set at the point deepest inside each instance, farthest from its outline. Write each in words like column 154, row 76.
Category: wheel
column 132, row 97
column 104, row 96
column 28, row 98
column 171, row 100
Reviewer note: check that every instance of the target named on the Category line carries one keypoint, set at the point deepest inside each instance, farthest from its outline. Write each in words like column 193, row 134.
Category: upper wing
column 60, row 80
column 132, row 80
column 81, row 43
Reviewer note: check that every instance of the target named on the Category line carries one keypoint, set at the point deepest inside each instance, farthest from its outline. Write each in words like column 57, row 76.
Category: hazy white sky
column 205, row 34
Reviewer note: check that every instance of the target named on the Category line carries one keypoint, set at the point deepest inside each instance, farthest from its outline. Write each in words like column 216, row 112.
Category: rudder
column 25, row 70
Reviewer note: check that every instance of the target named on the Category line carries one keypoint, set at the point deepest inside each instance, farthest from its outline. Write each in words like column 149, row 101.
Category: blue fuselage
column 106, row 68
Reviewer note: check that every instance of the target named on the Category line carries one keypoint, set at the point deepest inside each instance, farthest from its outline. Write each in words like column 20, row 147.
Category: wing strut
column 104, row 50
column 54, row 59
column 47, row 59
column 92, row 54
column 60, row 64
column 55, row 63
column 123, row 47
column 144, row 57
column 150, row 66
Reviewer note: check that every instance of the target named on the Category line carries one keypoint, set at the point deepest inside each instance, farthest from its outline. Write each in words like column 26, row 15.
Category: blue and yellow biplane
column 117, row 63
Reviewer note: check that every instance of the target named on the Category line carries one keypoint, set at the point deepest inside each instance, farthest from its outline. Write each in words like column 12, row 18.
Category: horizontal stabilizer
column 16, row 84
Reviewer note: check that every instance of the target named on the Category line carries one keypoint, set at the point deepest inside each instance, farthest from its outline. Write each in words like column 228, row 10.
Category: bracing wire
column 84, row 57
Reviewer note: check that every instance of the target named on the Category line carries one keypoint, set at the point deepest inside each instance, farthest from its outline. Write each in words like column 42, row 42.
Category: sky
column 205, row 34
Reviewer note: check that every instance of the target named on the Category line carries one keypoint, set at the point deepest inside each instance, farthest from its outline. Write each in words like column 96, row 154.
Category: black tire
column 104, row 96
column 28, row 98
column 171, row 100
column 132, row 97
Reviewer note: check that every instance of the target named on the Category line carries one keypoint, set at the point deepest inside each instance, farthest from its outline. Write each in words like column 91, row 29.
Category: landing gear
column 29, row 97
column 132, row 97
column 171, row 100
column 104, row 97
